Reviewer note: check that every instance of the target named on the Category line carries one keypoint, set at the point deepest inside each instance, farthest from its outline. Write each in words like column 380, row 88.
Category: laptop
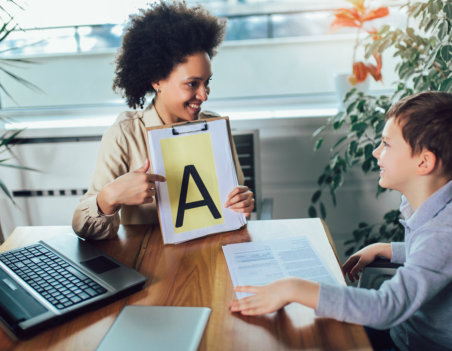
column 144, row 328
column 54, row 279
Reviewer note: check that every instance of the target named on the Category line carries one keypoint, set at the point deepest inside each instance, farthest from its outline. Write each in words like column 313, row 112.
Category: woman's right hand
column 359, row 260
column 133, row 188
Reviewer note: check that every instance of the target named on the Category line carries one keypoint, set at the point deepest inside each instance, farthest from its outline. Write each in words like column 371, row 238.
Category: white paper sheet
column 262, row 262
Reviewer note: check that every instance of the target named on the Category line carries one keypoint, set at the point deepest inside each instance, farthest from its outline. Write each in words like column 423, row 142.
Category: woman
column 166, row 51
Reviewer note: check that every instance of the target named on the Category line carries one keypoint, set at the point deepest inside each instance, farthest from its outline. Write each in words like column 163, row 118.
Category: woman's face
column 181, row 94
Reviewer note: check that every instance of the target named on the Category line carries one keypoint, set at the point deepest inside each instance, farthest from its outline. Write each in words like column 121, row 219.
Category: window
column 58, row 27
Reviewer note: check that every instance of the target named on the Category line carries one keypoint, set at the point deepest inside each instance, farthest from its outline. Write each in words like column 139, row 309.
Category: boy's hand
column 359, row 260
column 271, row 297
column 267, row 298
column 240, row 199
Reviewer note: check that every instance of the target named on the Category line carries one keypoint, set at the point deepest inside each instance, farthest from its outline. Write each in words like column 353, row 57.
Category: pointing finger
column 156, row 178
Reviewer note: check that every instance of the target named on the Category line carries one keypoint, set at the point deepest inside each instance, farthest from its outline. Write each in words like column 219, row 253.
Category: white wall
column 258, row 68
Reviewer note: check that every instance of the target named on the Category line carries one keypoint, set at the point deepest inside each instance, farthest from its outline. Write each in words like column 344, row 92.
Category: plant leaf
column 5, row 139
column 322, row 210
column 448, row 10
column 360, row 71
column 352, row 147
column 446, row 53
column 6, row 191
column 340, row 141
column 318, row 144
column 21, row 81
column 312, row 212
column 345, row 18
column 318, row 131
column 377, row 13
column 446, row 85
column 359, row 127
column 358, row 5
column 19, row 167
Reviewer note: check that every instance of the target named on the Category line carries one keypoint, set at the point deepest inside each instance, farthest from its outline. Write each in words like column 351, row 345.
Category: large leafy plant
column 356, row 17
column 8, row 138
column 424, row 52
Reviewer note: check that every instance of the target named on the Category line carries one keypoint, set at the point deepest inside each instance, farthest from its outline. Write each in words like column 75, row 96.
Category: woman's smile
column 181, row 95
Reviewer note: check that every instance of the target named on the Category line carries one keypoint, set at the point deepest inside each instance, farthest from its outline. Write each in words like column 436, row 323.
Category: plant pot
column 343, row 85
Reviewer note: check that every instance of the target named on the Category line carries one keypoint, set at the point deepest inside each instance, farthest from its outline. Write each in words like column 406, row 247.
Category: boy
column 415, row 158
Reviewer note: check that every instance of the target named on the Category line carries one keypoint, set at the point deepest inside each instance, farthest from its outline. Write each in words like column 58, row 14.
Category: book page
column 263, row 262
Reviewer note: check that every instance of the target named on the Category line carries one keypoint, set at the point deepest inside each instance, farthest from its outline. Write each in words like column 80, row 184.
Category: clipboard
column 197, row 161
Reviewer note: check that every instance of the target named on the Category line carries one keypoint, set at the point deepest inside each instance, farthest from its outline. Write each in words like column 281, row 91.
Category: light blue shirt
column 417, row 302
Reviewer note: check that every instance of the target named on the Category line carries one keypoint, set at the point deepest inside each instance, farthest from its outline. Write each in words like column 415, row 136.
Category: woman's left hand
column 241, row 200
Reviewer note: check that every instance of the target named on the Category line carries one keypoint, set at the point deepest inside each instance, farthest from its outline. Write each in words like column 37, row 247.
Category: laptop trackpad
column 99, row 265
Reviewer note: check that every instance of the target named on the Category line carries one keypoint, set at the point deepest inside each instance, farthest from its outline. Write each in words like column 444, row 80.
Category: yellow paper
column 191, row 153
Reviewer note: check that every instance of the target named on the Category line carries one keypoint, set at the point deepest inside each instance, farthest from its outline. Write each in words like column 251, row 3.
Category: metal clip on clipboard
column 178, row 129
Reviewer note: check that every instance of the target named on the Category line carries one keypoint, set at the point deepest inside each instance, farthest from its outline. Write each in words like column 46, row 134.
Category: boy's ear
column 427, row 162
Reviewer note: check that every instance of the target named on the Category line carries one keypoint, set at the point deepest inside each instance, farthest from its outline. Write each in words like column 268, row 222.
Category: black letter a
column 183, row 205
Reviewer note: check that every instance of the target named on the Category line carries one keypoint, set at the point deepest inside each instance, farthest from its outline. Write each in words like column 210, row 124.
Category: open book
column 196, row 159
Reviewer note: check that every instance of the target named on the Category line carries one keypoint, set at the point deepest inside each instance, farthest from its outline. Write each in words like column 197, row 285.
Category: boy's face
column 397, row 165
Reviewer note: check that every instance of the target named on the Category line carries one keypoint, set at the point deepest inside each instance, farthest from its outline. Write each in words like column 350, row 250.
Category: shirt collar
column 429, row 209
column 150, row 116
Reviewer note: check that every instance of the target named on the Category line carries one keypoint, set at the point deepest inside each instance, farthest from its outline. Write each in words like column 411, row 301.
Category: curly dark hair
column 158, row 39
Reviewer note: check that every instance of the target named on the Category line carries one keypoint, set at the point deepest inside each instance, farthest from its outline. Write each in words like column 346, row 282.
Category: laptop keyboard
column 51, row 276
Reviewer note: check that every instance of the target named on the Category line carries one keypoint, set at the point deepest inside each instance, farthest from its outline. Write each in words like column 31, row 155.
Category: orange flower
column 356, row 17
column 374, row 33
column 375, row 71
column 359, row 5
column 378, row 13
column 361, row 70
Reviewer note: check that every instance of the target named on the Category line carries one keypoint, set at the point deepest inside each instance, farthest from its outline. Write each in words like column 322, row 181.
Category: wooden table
column 195, row 273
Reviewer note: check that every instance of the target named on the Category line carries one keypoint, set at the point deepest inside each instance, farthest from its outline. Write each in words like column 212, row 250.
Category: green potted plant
column 424, row 52
column 7, row 138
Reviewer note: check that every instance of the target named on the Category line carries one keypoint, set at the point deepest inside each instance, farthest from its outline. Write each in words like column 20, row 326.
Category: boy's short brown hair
column 426, row 121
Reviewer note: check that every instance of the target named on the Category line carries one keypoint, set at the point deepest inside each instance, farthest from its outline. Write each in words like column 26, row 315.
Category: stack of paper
column 263, row 262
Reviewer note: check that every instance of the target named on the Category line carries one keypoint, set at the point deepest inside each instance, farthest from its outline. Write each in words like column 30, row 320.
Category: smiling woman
column 179, row 97
column 166, row 51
